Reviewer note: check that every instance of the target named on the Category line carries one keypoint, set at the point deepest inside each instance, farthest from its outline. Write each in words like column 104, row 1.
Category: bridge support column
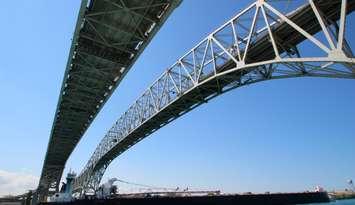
column 34, row 200
column 28, row 198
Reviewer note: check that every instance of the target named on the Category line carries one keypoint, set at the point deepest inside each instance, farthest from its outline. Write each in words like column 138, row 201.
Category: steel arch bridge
column 263, row 42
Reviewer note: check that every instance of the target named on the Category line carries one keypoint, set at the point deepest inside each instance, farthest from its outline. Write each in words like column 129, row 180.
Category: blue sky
column 282, row 135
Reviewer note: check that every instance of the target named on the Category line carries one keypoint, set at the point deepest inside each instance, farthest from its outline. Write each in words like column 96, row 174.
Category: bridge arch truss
column 263, row 42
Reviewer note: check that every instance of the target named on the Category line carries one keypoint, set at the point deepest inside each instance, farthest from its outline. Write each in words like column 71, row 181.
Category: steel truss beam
column 232, row 56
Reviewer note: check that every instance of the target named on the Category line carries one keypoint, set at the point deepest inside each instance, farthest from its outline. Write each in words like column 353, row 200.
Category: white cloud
column 16, row 183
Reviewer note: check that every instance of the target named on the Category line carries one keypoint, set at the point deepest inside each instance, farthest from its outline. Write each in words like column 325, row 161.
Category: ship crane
column 108, row 189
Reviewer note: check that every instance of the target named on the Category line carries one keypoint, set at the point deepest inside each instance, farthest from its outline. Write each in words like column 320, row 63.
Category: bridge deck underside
column 109, row 36
column 260, row 50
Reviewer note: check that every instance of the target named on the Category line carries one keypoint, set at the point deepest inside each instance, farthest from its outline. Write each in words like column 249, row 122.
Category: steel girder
column 262, row 42
column 108, row 38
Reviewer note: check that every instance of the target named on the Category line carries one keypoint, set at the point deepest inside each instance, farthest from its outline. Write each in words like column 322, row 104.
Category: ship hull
column 235, row 199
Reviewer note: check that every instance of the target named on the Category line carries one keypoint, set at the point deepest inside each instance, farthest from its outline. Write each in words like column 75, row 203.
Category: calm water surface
column 340, row 202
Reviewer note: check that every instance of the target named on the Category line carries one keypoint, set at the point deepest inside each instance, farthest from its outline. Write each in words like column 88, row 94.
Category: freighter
column 107, row 194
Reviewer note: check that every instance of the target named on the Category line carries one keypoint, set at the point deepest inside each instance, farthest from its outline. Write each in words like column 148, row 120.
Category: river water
column 339, row 202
